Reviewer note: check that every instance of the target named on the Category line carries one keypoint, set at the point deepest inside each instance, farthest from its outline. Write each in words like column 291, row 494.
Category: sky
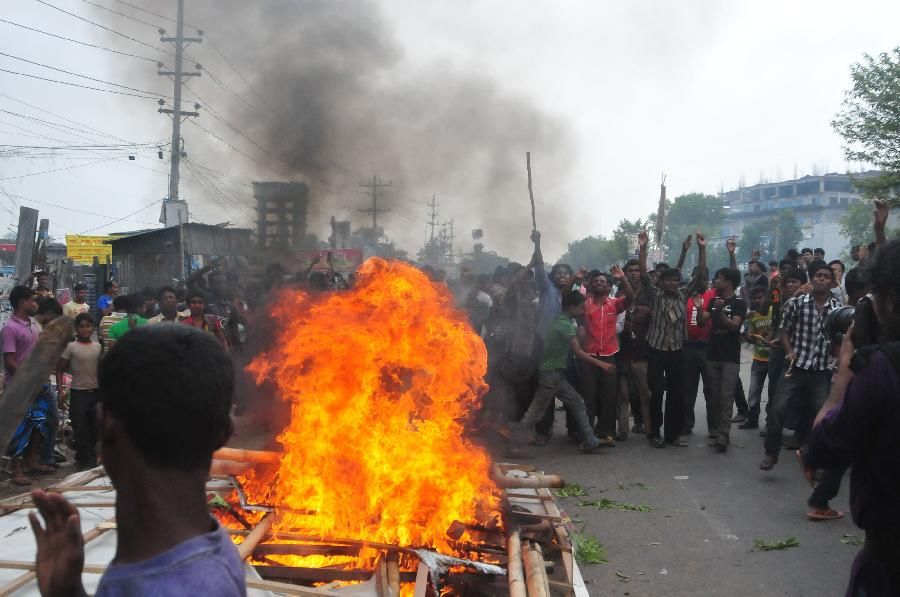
column 709, row 93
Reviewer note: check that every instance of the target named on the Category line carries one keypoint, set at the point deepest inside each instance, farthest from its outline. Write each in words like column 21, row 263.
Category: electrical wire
column 74, row 74
column 142, row 22
column 44, row 110
column 75, row 41
column 80, row 18
column 11, row 72
column 57, row 169
column 149, row 205
column 72, row 209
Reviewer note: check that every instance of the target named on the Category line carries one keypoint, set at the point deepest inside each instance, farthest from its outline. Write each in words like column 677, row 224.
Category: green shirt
column 556, row 343
column 118, row 329
column 760, row 325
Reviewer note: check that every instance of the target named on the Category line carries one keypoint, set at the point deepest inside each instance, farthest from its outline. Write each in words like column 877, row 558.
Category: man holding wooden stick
column 157, row 436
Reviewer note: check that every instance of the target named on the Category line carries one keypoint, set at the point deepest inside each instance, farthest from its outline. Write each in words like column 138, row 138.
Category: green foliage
column 592, row 251
column 687, row 214
column 870, row 117
column 570, row 490
column 856, row 223
column 608, row 504
column 850, row 539
column 762, row 235
column 764, row 545
column 588, row 550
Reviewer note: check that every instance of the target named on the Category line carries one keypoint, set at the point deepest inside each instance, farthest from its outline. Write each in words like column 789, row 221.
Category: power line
column 142, row 22
column 150, row 12
column 74, row 74
column 44, row 110
column 78, row 211
column 57, row 169
column 12, row 72
column 105, row 28
column 123, row 217
column 75, row 41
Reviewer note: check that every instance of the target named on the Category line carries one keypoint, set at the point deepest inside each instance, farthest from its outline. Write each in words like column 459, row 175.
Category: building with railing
column 819, row 203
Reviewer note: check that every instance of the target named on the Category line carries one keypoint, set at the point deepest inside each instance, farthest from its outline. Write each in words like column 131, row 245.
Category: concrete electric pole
column 375, row 193
column 180, row 42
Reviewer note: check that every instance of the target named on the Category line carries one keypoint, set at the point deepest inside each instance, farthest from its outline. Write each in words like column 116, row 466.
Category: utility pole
column 180, row 42
column 375, row 193
column 433, row 221
column 449, row 237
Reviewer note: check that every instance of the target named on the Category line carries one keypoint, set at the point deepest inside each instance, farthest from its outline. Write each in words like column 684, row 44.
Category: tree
column 773, row 237
column 869, row 120
column 592, row 251
column 856, row 224
column 687, row 214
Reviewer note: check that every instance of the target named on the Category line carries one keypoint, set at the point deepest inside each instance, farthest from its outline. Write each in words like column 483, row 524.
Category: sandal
column 679, row 442
column 657, row 442
column 826, row 514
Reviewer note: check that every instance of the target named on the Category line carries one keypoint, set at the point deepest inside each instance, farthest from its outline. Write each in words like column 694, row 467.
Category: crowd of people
column 623, row 351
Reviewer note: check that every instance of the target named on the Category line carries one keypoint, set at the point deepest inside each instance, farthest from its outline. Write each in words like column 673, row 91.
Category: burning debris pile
column 376, row 472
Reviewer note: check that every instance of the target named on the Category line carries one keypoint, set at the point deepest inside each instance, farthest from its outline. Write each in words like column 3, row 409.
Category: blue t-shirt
column 205, row 565
column 104, row 301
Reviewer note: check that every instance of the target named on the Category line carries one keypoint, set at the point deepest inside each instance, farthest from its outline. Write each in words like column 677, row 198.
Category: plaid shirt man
column 667, row 313
column 803, row 325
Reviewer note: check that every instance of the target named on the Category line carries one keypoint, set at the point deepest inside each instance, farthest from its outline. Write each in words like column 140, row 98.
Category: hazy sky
column 707, row 92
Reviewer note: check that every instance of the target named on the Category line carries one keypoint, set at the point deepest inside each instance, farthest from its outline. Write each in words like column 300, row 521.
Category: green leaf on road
column 608, row 504
column 853, row 540
column 764, row 545
column 570, row 490
column 588, row 550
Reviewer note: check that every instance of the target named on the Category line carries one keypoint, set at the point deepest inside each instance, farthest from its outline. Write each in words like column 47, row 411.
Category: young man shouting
column 598, row 386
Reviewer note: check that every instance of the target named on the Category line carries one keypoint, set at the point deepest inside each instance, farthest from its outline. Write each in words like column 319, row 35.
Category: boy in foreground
column 561, row 337
column 157, row 436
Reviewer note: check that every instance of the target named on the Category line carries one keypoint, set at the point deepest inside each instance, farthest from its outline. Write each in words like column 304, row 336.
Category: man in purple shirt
column 17, row 339
column 858, row 426
column 157, row 437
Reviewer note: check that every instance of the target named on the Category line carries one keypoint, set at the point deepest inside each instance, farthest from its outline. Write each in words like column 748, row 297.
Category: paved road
column 707, row 510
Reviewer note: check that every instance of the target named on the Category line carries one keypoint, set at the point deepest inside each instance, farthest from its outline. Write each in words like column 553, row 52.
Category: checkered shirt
column 804, row 327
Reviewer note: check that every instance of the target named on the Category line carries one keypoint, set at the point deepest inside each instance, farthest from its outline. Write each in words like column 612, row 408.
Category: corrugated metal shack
column 151, row 258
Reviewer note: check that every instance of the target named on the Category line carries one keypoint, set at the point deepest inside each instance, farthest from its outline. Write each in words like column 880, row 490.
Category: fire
column 379, row 380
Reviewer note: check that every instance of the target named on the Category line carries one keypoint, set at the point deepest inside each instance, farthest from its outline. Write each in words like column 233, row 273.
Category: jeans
column 694, row 370
column 759, row 371
column 776, row 369
column 48, row 446
column 553, row 384
column 723, row 379
column 665, row 369
column 801, row 385
column 598, row 388
column 83, row 414
column 827, row 488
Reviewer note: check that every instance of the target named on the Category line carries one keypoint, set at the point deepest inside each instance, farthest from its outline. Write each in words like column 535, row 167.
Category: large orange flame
column 379, row 380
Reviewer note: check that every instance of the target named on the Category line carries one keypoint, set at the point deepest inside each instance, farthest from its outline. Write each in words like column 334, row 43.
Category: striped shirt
column 803, row 325
column 667, row 312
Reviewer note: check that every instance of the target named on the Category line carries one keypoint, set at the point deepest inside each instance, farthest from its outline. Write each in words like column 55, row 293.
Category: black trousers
column 665, row 369
column 83, row 414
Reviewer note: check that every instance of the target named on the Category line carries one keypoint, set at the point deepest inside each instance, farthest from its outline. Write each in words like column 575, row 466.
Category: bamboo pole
column 535, row 573
column 7, row 508
column 245, row 549
column 393, row 574
column 228, row 467
column 514, row 566
column 255, row 456
column 530, row 192
column 532, row 481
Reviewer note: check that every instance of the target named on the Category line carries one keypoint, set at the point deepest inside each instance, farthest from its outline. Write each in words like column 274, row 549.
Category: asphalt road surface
column 707, row 510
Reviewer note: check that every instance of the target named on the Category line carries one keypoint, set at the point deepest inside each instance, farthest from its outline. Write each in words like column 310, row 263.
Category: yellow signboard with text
column 83, row 249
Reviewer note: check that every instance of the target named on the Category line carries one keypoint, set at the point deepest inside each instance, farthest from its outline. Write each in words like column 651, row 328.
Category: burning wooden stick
column 530, row 192
column 533, row 480
column 255, row 456
column 245, row 549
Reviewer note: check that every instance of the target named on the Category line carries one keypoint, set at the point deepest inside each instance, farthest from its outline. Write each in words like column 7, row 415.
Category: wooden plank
column 245, row 549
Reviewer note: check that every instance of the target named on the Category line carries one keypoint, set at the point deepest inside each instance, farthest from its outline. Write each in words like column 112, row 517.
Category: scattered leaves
column 853, row 540
column 608, row 504
column 588, row 550
column 764, row 545
column 570, row 490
